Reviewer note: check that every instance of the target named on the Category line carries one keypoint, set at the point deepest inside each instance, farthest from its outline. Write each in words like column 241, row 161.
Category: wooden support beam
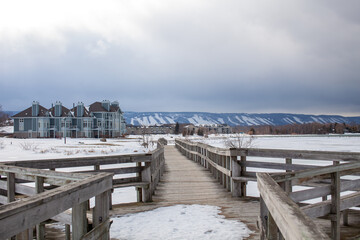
column 146, row 177
column 236, row 172
column 10, row 186
column 40, row 228
column 243, row 173
column 335, row 205
column 79, row 220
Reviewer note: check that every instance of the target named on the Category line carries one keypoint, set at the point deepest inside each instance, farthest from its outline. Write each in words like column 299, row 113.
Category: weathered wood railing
column 147, row 168
column 64, row 190
column 20, row 216
column 229, row 167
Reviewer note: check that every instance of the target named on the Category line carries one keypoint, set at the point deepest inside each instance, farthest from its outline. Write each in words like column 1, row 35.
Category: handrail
column 229, row 167
column 289, row 218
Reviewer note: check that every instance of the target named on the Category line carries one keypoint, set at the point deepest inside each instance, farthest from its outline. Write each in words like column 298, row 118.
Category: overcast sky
column 299, row 56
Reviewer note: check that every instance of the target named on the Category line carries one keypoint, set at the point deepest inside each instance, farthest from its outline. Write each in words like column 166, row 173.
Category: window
column 21, row 124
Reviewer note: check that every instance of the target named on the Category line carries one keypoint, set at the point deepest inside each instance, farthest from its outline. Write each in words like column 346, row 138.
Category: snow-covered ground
column 15, row 149
column 178, row 222
column 7, row 129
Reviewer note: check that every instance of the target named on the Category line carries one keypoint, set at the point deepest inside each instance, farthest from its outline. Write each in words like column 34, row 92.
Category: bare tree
column 3, row 117
column 240, row 141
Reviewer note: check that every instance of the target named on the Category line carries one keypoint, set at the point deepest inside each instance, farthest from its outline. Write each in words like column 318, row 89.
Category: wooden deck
column 185, row 182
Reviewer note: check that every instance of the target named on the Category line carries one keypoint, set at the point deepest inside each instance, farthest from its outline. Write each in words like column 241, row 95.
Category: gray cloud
column 232, row 56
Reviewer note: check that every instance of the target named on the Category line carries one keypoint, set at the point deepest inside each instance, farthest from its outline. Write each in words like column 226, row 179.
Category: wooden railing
column 147, row 167
column 64, row 190
column 229, row 167
column 21, row 215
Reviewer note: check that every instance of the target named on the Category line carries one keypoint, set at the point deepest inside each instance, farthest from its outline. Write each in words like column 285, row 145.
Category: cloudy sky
column 298, row 56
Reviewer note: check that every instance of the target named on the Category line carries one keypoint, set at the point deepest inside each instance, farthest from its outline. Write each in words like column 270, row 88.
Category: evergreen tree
column 177, row 127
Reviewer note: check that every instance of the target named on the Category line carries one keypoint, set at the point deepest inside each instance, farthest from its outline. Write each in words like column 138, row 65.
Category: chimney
column 35, row 109
column 106, row 104
column 58, row 109
column 80, row 109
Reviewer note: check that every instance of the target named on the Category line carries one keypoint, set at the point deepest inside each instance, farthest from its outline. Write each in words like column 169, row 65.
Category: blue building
column 100, row 119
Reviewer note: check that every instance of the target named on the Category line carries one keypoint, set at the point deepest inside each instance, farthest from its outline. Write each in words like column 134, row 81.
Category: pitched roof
column 97, row 107
column 86, row 112
column 64, row 111
column 28, row 112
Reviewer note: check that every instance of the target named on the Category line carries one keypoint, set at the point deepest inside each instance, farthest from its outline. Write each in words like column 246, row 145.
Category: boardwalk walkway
column 185, row 182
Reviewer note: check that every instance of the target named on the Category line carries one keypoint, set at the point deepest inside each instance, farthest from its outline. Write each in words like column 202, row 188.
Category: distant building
column 140, row 130
column 100, row 119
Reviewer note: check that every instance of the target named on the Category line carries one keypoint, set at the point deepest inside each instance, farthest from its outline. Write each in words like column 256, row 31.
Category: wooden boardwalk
column 185, row 182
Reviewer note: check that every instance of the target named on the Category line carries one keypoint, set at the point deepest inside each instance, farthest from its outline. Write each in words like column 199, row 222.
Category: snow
column 232, row 121
column 249, row 121
column 239, row 119
column 170, row 120
column 298, row 120
column 178, row 222
column 220, row 120
column 7, row 129
column 160, row 119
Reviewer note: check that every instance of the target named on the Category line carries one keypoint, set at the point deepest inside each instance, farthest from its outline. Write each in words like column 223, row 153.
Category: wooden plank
column 218, row 167
column 291, row 221
column 20, row 215
column 126, row 180
column 298, row 154
column 82, row 161
column 132, row 184
column 244, row 179
column 280, row 166
column 115, row 170
column 99, row 231
column 323, row 208
column 281, row 177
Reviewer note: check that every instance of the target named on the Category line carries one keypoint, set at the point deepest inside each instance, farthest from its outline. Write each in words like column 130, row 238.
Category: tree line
column 307, row 128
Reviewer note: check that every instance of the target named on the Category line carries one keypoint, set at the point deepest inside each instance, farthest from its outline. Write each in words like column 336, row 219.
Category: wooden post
column 96, row 167
column 10, row 186
column 11, row 190
column 146, row 177
column 272, row 230
column 79, row 221
column 139, row 190
column 25, row 235
column 101, row 210
column 40, row 228
column 335, row 204
column 288, row 185
column 345, row 218
column 243, row 172
column 67, row 232
column 236, row 171
column 264, row 213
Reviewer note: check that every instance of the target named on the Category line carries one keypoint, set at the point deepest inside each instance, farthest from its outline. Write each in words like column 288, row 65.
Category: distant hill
column 232, row 119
